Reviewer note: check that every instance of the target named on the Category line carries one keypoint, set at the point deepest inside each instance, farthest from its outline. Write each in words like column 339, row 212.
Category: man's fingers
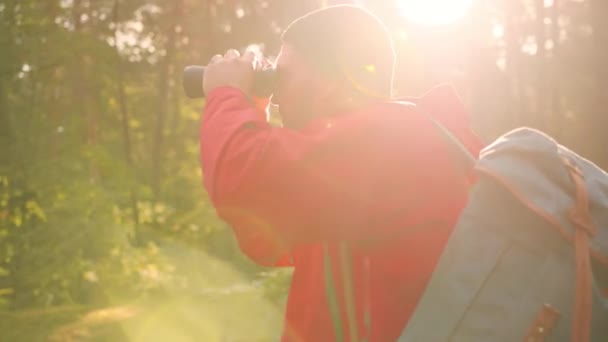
column 216, row 59
column 257, row 65
column 266, row 62
column 249, row 57
column 231, row 70
column 232, row 53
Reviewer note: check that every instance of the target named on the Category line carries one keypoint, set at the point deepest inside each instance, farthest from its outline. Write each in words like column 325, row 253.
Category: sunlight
column 434, row 12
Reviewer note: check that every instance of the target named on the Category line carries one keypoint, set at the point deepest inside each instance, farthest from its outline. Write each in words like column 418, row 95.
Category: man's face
column 297, row 89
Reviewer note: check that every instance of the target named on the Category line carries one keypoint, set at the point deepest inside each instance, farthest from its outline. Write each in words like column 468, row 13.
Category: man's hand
column 230, row 70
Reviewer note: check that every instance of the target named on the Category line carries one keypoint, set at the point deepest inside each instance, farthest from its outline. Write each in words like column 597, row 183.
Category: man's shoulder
column 382, row 114
column 390, row 119
column 380, row 129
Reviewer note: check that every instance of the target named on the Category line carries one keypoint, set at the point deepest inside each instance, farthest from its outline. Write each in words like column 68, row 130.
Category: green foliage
column 83, row 226
column 106, row 232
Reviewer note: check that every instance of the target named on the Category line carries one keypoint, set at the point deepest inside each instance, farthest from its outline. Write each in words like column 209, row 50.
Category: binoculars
column 263, row 81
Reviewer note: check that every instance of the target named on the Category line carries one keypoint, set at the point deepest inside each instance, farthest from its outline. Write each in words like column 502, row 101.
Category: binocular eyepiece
column 263, row 81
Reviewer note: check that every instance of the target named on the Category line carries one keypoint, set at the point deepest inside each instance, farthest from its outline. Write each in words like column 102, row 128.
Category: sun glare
column 434, row 12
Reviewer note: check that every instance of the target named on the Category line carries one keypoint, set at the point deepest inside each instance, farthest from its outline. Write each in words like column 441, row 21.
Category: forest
column 106, row 232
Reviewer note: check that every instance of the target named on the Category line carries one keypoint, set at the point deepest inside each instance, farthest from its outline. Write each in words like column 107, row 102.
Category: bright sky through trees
column 434, row 12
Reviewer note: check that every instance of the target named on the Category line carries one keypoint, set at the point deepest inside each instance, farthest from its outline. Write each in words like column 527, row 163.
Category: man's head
column 330, row 60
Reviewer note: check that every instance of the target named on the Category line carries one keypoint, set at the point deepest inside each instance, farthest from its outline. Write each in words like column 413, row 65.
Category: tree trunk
column 163, row 96
column 124, row 113
column 6, row 133
column 78, row 89
column 598, row 121
column 177, row 109
column 541, row 87
column 554, row 76
column 512, row 33
column 482, row 71
column 7, row 136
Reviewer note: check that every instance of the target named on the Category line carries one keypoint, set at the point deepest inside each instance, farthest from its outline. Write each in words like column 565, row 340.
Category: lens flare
column 434, row 12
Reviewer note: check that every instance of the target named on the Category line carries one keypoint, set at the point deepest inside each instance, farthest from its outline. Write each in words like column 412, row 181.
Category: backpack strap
column 349, row 295
column 461, row 154
column 346, row 267
column 545, row 321
column 584, row 229
column 332, row 296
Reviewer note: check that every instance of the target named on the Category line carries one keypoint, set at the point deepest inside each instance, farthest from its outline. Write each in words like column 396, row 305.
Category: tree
column 101, row 202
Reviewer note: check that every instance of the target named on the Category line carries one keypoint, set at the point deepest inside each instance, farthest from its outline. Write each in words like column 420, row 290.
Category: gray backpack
column 528, row 258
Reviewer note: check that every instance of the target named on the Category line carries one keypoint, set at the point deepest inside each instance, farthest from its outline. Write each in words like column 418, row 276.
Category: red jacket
column 381, row 179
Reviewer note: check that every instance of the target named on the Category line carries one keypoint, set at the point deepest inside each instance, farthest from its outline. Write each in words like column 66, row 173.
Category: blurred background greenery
column 106, row 233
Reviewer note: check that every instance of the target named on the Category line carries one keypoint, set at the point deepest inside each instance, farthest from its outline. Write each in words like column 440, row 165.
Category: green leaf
column 34, row 209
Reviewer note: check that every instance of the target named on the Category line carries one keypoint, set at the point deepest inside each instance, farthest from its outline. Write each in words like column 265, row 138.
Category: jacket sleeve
column 264, row 181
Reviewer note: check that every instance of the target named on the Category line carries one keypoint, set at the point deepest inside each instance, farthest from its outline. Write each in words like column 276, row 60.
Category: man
column 358, row 194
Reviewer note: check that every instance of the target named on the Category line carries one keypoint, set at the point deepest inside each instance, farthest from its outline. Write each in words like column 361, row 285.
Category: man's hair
column 347, row 43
